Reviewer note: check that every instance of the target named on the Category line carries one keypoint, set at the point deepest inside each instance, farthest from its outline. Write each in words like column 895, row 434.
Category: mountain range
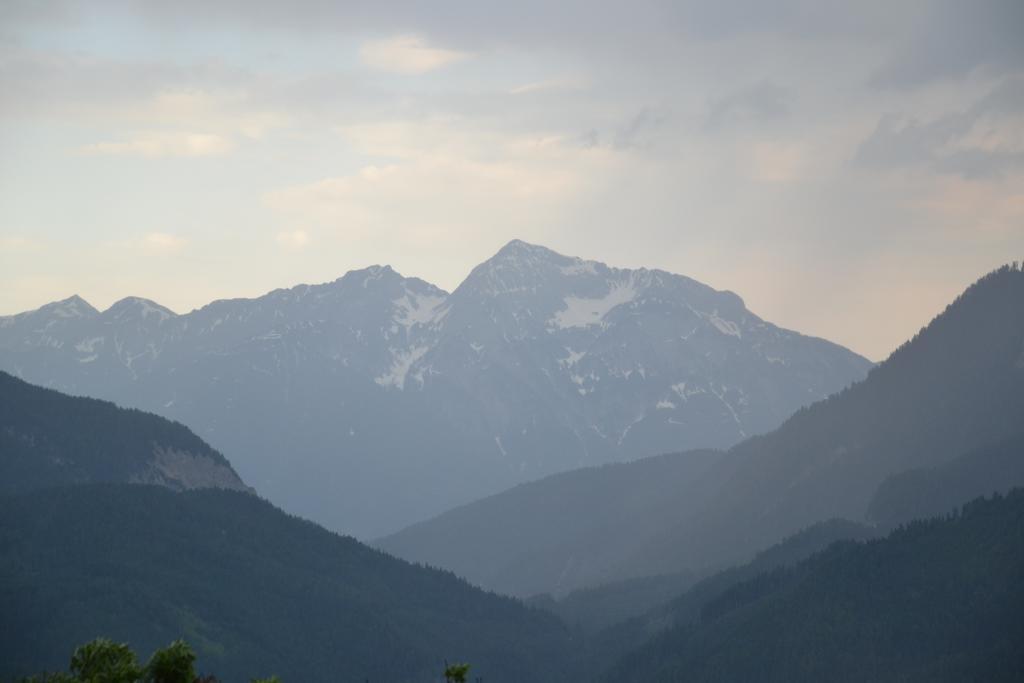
column 89, row 546
column 957, row 387
column 377, row 400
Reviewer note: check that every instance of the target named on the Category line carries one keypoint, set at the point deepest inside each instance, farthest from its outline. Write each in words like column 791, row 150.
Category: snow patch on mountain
column 584, row 312
column 414, row 308
column 402, row 362
column 684, row 392
column 726, row 327
column 573, row 358
column 89, row 345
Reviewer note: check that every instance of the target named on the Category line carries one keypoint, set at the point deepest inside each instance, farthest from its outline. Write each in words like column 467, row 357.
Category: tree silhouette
column 456, row 673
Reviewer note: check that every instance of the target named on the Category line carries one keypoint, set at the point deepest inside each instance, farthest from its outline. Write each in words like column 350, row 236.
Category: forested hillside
column 627, row 627
column 564, row 532
column 254, row 590
column 932, row 491
column 48, row 438
column 938, row 600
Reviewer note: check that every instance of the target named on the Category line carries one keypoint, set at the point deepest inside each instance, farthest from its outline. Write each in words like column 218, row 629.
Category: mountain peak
column 518, row 266
column 520, row 252
column 370, row 275
column 72, row 307
column 134, row 306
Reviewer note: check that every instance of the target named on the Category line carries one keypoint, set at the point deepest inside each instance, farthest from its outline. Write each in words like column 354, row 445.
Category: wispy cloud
column 293, row 239
column 775, row 162
column 163, row 241
column 407, row 54
column 762, row 101
column 973, row 143
column 17, row 243
column 548, row 85
column 164, row 145
column 440, row 180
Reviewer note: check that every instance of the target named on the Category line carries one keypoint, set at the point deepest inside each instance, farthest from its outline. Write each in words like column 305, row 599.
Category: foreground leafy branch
column 104, row 661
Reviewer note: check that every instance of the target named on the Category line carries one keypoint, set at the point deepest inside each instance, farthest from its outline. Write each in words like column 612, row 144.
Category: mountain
column 956, row 386
column 564, row 532
column 49, row 439
column 377, row 400
column 628, row 611
column 252, row 589
column 934, row 491
column 619, row 618
column 935, row 601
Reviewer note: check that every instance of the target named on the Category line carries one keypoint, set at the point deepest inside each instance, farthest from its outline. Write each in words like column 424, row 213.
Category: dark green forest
column 251, row 588
column 629, row 631
column 49, row 438
column 937, row 600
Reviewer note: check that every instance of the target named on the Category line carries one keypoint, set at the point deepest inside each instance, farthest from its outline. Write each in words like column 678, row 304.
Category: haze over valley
column 573, row 342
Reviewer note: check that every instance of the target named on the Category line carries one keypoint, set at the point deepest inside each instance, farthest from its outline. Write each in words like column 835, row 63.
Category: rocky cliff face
column 184, row 471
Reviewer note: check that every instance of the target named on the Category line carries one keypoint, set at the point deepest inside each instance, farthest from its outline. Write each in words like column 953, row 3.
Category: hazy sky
column 846, row 167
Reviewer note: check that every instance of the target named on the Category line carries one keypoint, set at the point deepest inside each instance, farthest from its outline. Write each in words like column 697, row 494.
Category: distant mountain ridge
column 956, row 387
column 49, row 439
column 936, row 600
column 377, row 400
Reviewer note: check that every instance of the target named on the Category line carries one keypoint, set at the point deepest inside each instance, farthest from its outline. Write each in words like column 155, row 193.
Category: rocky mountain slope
column 377, row 400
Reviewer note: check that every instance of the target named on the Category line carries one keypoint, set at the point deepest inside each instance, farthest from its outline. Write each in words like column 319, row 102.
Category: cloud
column 981, row 141
column 773, row 162
column 294, row 239
column 442, row 180
column 228, row 110
column 980, row 209
column 408, row 54
column 164, row 145
column 641, row 130
column 165, row 242
column 953, row 39
column 762, row 101
column 548, row 85
column 17, row 243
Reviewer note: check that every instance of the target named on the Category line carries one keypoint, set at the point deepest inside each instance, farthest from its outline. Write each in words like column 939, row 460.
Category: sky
column 846, row 168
